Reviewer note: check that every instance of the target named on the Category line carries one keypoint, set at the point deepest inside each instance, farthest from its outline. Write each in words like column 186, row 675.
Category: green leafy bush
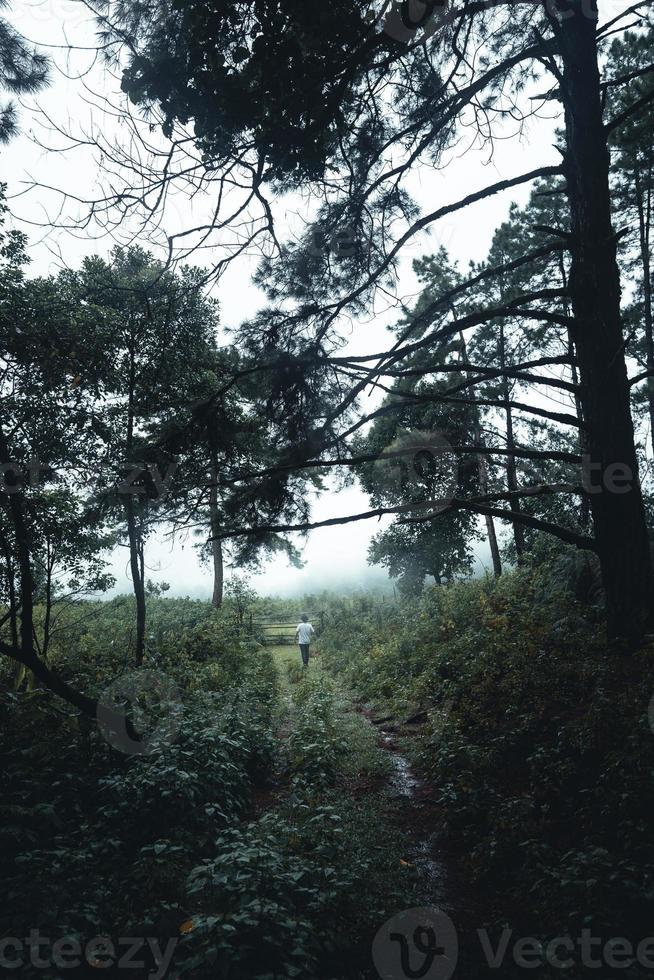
column 100, row 842
column 537, row 744
column 316, row 744
column 277, row 890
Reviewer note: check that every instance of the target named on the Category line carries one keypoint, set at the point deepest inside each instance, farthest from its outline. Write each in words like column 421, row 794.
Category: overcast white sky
column 335, row 557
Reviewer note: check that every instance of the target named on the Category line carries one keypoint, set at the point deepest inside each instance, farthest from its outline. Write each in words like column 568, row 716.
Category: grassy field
column 289, row 663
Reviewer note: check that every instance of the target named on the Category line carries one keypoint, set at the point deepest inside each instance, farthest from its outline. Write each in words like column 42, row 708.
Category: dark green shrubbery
column 316, row 744
column 195, row 845
column 299, row 891
column 278, row 890
column 97, row 842
column 93, row 642
column 538, row 743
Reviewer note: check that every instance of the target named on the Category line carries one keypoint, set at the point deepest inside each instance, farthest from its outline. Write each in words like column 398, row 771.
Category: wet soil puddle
column 419, row 818
column 414, row 808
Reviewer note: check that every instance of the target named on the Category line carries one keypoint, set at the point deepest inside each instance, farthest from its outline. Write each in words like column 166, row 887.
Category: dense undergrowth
column 537, row 742
column 245, row 846
column 299, row 890
column 255, row 842
column 99, row 843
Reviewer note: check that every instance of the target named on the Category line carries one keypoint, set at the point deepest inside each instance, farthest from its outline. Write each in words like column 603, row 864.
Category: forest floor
column 406, row 822
column 410, row 799
column 405, row 812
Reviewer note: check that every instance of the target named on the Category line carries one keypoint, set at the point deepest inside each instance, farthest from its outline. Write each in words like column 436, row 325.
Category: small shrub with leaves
column 538, row 743
column 316, row 744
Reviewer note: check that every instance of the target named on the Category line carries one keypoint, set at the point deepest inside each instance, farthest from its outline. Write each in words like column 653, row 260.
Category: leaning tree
column 349, row 101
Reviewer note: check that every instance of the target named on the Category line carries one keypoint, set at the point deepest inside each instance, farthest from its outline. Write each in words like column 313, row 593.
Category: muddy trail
column 415, row 810
column 413, row 807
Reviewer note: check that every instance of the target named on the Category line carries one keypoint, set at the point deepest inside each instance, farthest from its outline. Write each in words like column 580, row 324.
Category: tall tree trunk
column 618, row 517
column 134, row 534
column 584, row 507
column 25, row 653
column 50, row 561
column 511, row 469
column 19, row 677
column 483, row 489
column 644, row 219
column 19, row 670
column 136, row 564
column 482, row 473
column 216, row 543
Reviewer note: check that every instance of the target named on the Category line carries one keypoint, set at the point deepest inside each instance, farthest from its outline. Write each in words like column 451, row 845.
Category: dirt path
column 406, row 807
column 419, row 817
column 410, row 802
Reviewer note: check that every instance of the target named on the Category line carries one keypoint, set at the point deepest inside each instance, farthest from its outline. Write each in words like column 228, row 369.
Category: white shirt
column 304, row 632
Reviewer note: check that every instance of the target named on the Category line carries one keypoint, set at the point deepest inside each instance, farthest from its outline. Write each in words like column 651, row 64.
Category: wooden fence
column 280, row 631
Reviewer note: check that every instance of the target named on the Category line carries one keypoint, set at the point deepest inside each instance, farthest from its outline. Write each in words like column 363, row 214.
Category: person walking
column 303, row 632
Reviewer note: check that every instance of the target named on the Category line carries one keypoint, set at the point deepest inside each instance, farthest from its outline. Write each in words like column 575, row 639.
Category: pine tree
column 23, row 71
